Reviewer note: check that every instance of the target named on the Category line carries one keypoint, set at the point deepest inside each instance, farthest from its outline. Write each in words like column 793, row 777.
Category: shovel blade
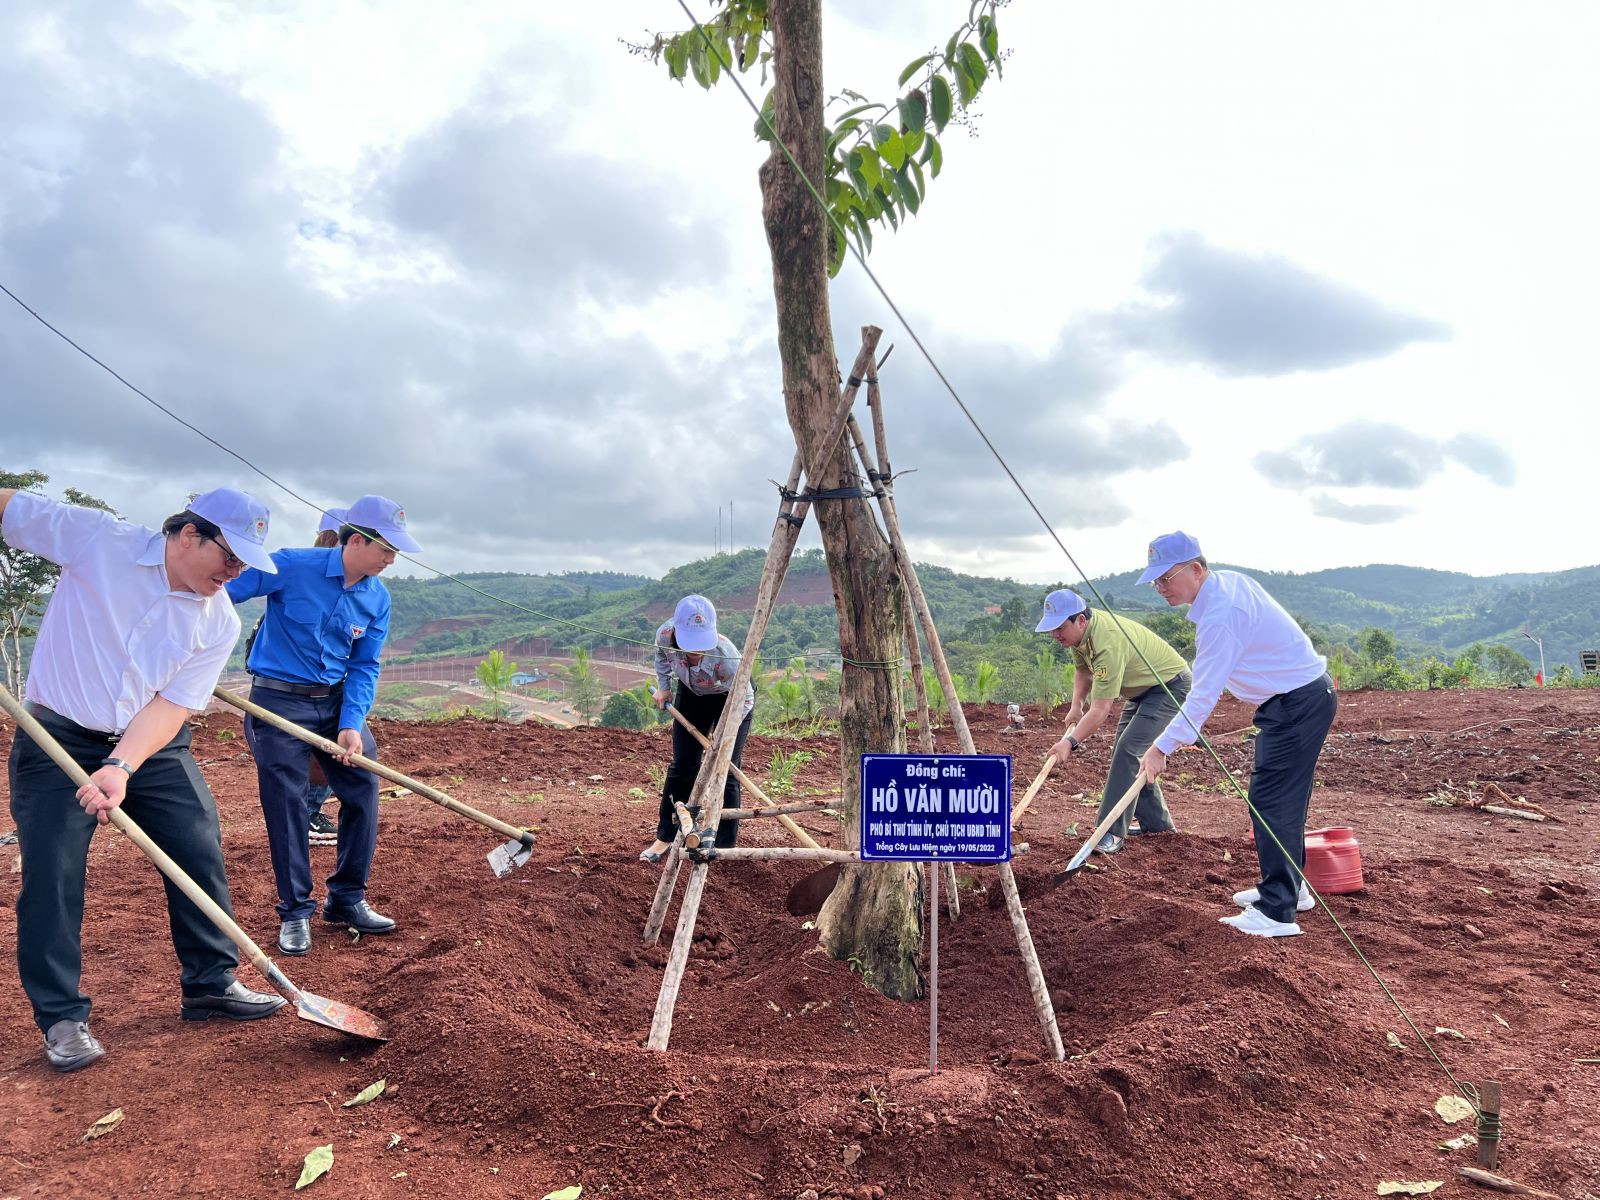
column 507, row 858
column 336, row 1014
column 1074, row 866
column 809, row 895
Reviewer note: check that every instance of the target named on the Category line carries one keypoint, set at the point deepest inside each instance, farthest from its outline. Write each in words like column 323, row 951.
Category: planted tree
column 585, row 690
column 985, row 682
column 495, row 673
column 870, row 165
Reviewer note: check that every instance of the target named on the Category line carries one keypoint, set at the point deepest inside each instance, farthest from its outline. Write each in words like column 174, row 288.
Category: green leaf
column 837, row 251
column 769, row 110
column 933, row 155
column 866, row 159
column 860, row 108
column 889, row 145
column 912, row 142
column 939, row 101
column 915, row 65
column 966, row 89
column 566, row 1193
column 972, row 63
column 318, row 1163
column 989, row 39
column 908, row 190
column 916, row 173
column 841, row 131
column 913, row 112
column 367, row 1095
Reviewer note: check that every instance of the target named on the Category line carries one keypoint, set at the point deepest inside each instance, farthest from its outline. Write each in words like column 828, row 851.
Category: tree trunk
column 874, row 916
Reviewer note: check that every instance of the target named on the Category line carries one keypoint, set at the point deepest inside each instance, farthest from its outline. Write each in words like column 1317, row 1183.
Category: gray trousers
column 1143, row 719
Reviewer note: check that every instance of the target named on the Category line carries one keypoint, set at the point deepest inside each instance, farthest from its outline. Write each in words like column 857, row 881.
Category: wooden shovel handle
column 1110, row 819
column 29, row 724
column 377, row 768
column 1033, row 790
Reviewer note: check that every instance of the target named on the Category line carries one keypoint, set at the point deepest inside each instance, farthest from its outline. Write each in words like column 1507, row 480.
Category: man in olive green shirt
column 1109, row 665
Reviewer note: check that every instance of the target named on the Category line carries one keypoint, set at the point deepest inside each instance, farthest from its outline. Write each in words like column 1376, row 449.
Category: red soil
column 1202, row 1064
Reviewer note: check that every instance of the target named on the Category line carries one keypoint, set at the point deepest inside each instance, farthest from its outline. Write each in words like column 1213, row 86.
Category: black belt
column 49, row 716
column 314, row 691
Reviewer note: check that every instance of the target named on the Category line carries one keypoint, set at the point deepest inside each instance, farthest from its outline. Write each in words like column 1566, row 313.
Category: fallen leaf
column 1459, row 1143
column 1502, row 1020
column 1394, row 1041
column 366, row 1095
column 1452, row 1109
column 394, row 1140
column 852, row 1154
column 1448, row 1032
column 103, row 1126
column 1487, row 891
column 318, row 1163
column 1400, row 1187
column 567, row 1193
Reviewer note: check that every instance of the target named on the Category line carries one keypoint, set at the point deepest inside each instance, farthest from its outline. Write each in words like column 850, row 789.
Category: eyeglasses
column 230, row 560
column 1162, row 581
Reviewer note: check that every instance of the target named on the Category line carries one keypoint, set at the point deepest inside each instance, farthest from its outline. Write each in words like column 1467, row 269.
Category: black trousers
column 1293, row 728
column 702, row 712
column 169, row 800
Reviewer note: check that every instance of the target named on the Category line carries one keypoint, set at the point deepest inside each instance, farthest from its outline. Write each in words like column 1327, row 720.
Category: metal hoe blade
column 507, row 858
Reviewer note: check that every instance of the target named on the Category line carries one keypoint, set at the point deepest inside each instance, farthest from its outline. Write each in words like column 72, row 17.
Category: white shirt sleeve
column 54, row 531
column 1217, row 653
column 192, row 685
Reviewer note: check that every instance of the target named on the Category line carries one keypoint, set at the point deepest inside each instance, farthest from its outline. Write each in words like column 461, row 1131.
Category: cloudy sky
column 1311, row 281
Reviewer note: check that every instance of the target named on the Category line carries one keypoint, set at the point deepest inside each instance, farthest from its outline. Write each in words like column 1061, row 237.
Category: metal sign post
column 934, row 808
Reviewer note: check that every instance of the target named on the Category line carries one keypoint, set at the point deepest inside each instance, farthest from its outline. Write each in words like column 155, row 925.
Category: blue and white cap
column 694, row 625
column 1167, row 551
column 385, row 518
column 243, row 519
column 332, row 520
column 1059, row 606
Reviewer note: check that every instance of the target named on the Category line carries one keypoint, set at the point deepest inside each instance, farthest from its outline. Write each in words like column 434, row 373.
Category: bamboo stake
column 1501, row 1184
column 713, row 776
column 663, row 899
column 685, row 824
column 925, row 726
column 781, row 810
column 1040, row 991
column 377, row 768
column 801, row 835
column 819, row 854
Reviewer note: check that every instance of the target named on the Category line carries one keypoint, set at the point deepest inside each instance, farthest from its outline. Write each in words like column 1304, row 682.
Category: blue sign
column 917, row 807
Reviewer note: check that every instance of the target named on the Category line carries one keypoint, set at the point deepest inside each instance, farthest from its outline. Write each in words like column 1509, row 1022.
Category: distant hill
column 1437, row 611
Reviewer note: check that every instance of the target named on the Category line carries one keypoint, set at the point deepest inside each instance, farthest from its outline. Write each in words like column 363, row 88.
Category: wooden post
column 663, row 900
column 714, row 766
column 924, row 718
column 801, row 835
column 1008, row 880
column 1489, row 1124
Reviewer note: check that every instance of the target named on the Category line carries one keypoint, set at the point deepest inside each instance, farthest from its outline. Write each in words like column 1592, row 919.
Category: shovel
column 502, row 859
column 1033, row 790
column 318, row 1009
column 1110, row 819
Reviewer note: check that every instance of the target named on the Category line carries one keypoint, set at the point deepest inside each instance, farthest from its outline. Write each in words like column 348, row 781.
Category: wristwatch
column 127, row 767
column 1074, row 743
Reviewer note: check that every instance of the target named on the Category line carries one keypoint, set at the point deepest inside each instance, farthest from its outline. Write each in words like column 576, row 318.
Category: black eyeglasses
column 230, row 560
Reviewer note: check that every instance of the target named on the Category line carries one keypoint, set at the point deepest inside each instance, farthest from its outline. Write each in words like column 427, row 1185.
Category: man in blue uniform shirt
column 133, row 639
column 1247, row 643
column 315, row 663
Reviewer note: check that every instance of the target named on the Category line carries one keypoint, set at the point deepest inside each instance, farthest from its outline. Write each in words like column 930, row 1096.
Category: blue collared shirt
column 316, row 630
column 1244, row 641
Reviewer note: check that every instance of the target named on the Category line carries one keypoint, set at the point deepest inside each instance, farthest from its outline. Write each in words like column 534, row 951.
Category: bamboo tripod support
column 714, row 765
column 1043, row 1007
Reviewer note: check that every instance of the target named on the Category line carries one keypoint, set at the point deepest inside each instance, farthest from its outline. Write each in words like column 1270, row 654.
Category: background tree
column 872, row 168
column 495, row 673
column 628, row 710
column 985, row 682
column 26, row 579
column 1507, row 666
column 585, row 690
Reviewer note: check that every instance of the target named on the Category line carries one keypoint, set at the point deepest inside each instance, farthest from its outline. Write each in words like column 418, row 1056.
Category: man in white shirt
column 135, row 636
column 1247, row 643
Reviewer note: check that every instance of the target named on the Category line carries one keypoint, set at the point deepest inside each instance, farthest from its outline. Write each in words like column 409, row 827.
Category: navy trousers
column 283, row 768
column 169, row 800
column 1143, row 719
column 703, row 712
column 1293, row 728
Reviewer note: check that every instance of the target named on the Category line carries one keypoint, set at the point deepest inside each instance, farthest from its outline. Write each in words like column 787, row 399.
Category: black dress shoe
column 237, row 1003
column 359, row 916
column 294, row 937
column 69, row 1045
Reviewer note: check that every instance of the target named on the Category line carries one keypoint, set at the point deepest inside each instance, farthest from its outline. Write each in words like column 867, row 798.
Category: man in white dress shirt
column 1247, row 643
column 136, row 633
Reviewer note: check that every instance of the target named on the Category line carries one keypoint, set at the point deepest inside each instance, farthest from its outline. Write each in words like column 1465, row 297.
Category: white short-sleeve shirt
column 115, row 634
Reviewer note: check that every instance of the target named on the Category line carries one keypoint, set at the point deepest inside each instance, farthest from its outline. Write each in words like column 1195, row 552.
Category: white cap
column 694, row 625
column 332, row 520
column 385, row 518
column 1059, row 606
column 243, row 519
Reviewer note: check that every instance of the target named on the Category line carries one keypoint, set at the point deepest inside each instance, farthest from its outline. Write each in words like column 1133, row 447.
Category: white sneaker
column 1303, row 903
column 1256, row 923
